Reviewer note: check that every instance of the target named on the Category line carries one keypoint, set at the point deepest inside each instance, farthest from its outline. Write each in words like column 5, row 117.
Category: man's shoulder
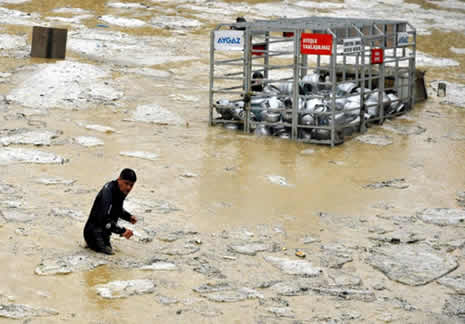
column 108, row 187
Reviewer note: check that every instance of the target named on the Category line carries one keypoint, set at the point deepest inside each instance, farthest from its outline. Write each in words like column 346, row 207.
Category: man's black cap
column 128, row 174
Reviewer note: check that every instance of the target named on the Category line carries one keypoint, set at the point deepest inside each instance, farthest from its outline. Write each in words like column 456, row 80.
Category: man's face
column 125, row 186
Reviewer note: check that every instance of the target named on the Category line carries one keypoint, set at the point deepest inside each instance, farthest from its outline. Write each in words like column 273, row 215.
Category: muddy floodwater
column 233, row 228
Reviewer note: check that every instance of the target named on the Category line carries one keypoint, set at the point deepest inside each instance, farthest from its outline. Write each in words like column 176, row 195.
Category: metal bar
column 370, row 72
column 274, row 52
column 223, row 121
column 255, row 57
column 248, row 74
column 385, row 42
column 304, row 66
column 227, row 78
column 362, row 127
column 381, row 34
column 412, row 67
column 318, row 64
column 382, row 79
column 295, row 89
column 381, row 93
column 230, row 64
column 212, row 71
column 275, row 80
column 266, row 60
column 228, row 61
column 275, row 66
column 233, row 74
column 227, row 89
column 333, row 88
column 344, row 58
column 277, row 41
column 399, row 59
column 373, row 37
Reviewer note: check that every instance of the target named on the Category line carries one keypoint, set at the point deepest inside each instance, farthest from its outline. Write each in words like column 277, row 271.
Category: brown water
column 230, row 191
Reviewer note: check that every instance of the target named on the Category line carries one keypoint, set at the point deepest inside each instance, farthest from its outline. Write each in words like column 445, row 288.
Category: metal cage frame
column 274, row 46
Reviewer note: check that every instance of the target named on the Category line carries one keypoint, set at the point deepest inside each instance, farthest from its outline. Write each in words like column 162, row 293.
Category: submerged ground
column 222, row 214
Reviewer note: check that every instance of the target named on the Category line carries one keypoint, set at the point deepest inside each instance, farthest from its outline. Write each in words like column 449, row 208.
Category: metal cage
column 314, row 79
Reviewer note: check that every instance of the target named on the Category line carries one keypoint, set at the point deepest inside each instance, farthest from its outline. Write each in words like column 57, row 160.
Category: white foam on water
column 149, row 72
column 366, row 4
column 101, row 35
column 121, row 5
column 450, row 4
column 423, row 59
column 319, row 5
column 14, row 1
column 71, row 10
column 185, row 98
column 458, row 50
column 279, row 10
column 424, row 20
column 97, row 128
column 219, row 12
column 73, row 20
column 19, row 155
column 141, row 155
column 16, row 17
column 121, row 48
column 155, row 114
column 8, row 42
column 455, row 93
column 175, row 22
column 218, row 8
column 28, row 136
column 5, row 75
column 64, row 84
column 122, row 21
column 279, row 180
column 179, row 2
column 88, row 141
column 54, row 181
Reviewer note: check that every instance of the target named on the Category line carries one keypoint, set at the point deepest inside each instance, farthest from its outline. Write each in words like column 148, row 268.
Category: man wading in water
column 106, row 210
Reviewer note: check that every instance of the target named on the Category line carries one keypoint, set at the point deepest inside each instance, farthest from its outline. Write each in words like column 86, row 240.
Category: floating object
column 300, row 254
column 49, row 42
column 441, row 89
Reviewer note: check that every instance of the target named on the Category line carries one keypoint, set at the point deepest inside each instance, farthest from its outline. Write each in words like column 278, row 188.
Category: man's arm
column 128, row 217
column 104, row 212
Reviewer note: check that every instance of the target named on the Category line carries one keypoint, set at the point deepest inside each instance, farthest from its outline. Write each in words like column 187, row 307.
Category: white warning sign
column 352, row 45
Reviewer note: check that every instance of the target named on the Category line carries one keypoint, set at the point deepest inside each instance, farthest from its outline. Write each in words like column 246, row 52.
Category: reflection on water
column 100, row 275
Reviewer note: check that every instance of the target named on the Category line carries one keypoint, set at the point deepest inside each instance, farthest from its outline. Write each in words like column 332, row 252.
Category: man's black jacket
column 107, row 209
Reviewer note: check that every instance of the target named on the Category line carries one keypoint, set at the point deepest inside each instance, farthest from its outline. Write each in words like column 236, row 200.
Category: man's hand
column 133, row 219
column 127, row 234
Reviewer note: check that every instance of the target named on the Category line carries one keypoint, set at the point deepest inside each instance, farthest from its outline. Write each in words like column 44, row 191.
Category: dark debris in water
column 398, row 183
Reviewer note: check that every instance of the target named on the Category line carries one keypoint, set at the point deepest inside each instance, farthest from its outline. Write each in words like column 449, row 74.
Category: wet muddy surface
column 232, row 228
